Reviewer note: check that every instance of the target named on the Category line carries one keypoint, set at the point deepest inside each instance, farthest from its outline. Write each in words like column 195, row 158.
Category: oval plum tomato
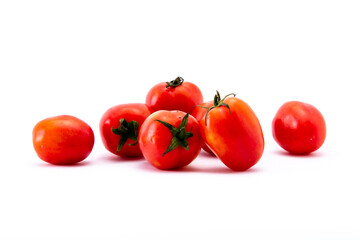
column 199, row 112
column 232, row 131
column 174, row 95
column 119, row 128
column 299, row 128
column 63, row 140
column 170, row 139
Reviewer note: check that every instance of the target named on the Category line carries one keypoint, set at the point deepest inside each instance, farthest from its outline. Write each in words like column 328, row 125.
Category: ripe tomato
column 174, row 95
column 63, row 140
column 119, row 128
column 170, row 139
column 299, row 128
column 199, row 112
column 232, row 131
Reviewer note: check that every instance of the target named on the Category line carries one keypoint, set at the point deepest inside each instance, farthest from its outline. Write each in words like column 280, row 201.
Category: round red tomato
column 199, row 112
column 299, row 128
column 170, row 139
column 232, row 131
column 174, row 95
column 63, row 140
column 119, row 128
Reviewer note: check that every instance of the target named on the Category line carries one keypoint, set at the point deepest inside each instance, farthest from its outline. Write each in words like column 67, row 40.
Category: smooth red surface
column 235, row 137
column 199, row 113
column 154, row 139
column 63, row 140
column 299, row 128
column 111, row 119
column 183, row 98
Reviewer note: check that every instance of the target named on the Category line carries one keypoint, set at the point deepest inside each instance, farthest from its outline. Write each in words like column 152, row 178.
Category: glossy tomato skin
column 183, row 98
column 199, row 113
column 111, row 119
column 299, row 128
column 235, row 137
column 63, row 140
column 154, row 139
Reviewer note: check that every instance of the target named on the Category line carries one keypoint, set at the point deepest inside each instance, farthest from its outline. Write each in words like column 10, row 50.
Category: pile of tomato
column 174, row 123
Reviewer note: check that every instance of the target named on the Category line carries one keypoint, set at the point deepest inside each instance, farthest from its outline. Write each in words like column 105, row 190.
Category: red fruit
column 119, row 128
column 233, row 132
column 299, row 128
column 63, row 140
column 174, row 95
column 170, row 139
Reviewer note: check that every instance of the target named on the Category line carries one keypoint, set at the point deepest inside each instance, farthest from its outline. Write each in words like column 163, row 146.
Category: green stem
column 179, row 135
column 126, row 130
column 217, row 103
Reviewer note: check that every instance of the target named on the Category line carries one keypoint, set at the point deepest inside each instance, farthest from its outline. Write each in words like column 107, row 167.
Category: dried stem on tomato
column 174, row 83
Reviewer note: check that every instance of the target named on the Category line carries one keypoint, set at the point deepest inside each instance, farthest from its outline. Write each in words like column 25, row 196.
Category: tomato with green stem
column 119, row 128
column 170, row 139
column 232, row 131
column 174, row 95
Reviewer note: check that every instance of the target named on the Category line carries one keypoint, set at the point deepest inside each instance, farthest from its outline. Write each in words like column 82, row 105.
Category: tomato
column 119, row 128
column 174, row 95
column 170, row 139
column 63, row 140
column 299, row 128
column 232, row 131
column 199, row 112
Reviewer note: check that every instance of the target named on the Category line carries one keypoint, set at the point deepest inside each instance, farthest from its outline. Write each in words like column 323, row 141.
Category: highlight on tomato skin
column 299, row 128
column 170, row 139
column 174, row 95
column 119, row 128
column 63, row 140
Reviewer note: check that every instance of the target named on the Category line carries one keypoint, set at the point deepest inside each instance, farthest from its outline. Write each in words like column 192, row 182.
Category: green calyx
column 174, row 83
column 179, row 135
column 126, row 130
column 217, row 103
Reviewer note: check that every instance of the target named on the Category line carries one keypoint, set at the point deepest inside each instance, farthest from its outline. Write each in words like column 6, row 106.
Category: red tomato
column 170, row 139
column 299, row 128
column 199, row 112
column 233, row 132
column 119, row 128
column 174, row 95
column 63, row 140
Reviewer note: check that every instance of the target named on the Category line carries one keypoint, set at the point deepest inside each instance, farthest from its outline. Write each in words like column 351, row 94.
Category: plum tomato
column 299, row 128
column 119, row 128
column 232, row 131
column 170, row 139
column 174, row 95
column 199, row 112
column 63, row 140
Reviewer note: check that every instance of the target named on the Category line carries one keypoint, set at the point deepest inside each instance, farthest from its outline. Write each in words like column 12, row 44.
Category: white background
column 82, row 57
